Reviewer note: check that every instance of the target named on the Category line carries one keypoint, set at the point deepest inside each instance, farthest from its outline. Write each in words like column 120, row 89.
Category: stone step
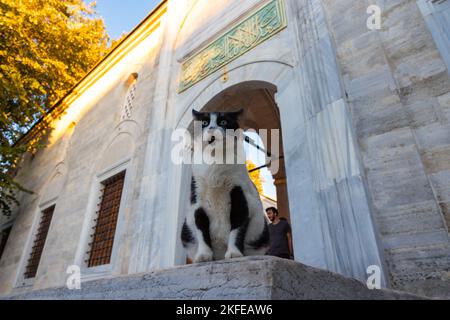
column 255, row 278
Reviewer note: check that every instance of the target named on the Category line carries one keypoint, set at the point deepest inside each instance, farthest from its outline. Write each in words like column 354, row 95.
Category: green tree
column 46, row 47
column 255, row 176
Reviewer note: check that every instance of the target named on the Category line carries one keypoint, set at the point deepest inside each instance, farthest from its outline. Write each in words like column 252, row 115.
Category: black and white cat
column 226, row 217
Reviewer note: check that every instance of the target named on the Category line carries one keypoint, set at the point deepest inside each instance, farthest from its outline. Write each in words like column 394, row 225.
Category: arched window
column 127, row 110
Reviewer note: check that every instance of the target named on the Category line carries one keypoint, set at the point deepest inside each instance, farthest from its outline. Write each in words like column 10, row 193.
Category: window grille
column 39, row 242
column 128, row 107
column 106, row 221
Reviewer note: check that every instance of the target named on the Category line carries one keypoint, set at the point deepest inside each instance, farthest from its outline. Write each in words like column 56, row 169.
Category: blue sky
column 123, row 15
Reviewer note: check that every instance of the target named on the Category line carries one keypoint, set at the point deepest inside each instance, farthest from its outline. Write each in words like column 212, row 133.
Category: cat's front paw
column 233, row 253
column 203, row 257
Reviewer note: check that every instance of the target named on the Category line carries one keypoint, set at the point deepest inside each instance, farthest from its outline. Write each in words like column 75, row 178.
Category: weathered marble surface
column 253, row 278
column 398, row 88
column 365, row 119
column 437, row 17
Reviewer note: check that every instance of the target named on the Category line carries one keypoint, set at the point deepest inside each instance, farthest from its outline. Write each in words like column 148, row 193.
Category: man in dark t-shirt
column 280, row 235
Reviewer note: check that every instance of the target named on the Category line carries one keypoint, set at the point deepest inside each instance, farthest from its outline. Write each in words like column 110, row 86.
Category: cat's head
column 215, row 124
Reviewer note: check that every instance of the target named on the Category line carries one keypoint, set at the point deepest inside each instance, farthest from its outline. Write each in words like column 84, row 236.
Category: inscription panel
column 257, row 28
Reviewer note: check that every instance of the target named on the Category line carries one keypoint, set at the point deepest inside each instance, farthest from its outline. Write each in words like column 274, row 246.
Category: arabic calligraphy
column 248, row 34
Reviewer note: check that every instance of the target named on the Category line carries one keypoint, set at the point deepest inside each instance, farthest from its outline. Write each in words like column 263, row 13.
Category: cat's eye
column 223, row 122
column 205, row 123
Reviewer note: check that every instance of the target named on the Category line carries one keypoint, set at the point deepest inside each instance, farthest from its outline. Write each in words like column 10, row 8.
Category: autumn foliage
column 46, row 47
column 255, row 176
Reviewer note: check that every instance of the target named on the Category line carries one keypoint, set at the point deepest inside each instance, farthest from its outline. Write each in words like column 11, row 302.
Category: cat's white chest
column 214, row 185
column 217, row 203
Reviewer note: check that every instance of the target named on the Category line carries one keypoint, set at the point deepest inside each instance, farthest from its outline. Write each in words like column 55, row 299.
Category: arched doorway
column 261, row 117
column 260, row 113
column 326, row 199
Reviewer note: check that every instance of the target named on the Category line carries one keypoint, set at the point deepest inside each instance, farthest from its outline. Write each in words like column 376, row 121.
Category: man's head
column 272, row 213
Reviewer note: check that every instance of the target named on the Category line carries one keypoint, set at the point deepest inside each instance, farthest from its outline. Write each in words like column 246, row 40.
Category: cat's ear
column 197, row 115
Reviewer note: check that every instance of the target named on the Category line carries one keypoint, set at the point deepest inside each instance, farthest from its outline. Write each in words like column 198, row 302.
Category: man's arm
column 291, row 250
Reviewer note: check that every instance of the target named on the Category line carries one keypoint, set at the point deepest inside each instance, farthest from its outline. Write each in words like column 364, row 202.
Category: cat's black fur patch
column 239, row 215
column 239, row 208
column 263, row 239
column 231, row 118
column 201, row 116
column 240, row 237
column 186, row 235
column 202, row 223
column 193, row 191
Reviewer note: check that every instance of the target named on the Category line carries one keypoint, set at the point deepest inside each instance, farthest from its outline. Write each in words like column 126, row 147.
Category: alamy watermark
column 74, row 280
column 374, row 20
column 374, row 279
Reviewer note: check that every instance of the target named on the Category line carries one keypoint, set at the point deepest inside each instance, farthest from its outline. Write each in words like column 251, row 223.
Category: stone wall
column 366, row 133
column 398, row 89
column 65, row 171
